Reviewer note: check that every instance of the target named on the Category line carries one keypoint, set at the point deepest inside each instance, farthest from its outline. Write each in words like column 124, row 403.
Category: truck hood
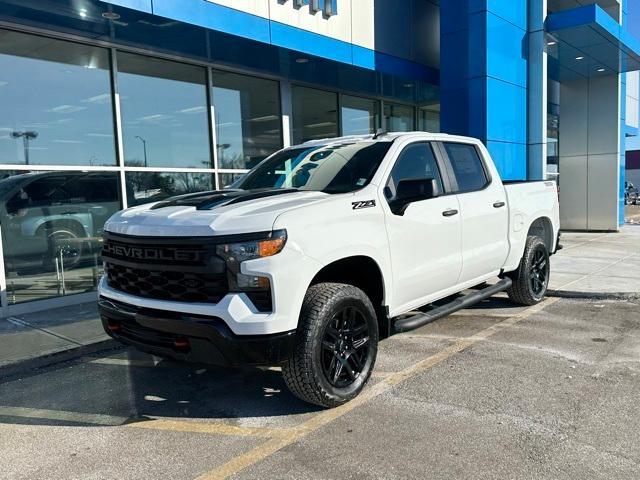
column 211, row 213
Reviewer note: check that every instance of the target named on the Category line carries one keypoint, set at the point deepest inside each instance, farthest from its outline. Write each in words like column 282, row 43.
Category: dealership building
column 109, row 104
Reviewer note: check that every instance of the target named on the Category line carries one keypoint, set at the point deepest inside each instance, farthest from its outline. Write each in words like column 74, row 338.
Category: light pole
column 26, row 136
column 144, row 148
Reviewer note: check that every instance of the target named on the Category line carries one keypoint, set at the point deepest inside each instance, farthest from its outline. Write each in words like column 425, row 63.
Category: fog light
column 114, row 326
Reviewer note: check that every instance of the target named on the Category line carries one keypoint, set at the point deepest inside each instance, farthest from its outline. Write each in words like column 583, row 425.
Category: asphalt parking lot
column 491, row 392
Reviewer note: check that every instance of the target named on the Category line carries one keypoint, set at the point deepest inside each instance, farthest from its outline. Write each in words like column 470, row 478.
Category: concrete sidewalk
column 30, row 340
column 603, row 265
column 590, row 265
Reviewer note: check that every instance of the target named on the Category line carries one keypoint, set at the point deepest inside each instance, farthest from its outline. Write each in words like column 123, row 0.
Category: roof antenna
column 379, row 133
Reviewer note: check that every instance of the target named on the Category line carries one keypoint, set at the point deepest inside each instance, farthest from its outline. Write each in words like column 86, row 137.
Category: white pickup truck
column 321, row 250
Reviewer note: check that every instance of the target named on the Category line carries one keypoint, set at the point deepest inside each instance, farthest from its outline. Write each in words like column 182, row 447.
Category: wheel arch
column 362, row 272
column 62, row 222
column 543, row 228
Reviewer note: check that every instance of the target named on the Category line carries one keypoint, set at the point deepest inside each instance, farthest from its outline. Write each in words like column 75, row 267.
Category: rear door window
column 467, row 166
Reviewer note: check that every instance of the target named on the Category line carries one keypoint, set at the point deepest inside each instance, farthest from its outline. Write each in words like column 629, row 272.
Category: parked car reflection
column 53, row 220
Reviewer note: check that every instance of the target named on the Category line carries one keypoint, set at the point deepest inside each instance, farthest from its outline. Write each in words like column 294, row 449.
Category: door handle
column 499, row 205
column 449, row 213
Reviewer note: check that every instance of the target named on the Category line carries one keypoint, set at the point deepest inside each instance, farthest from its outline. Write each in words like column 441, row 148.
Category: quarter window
column 467, row 166
column 416, row 162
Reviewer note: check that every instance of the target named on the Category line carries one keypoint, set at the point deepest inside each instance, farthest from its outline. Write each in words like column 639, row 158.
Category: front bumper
column 193, row 338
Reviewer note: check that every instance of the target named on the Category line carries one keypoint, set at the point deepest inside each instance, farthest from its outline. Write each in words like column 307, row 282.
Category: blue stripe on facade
column 141, row 5
column 216, row 17
column 314, row 44
column 235, row 22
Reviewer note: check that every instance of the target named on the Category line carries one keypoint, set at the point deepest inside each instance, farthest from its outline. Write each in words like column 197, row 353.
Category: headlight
column 258, row 288
column 237, row 253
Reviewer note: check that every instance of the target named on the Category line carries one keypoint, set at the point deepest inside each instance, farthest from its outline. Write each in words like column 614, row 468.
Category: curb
column 25, row 366
column 594, row 295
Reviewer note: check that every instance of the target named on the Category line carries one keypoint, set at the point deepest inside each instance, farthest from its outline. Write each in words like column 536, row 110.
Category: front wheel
column 336, row 346
column 531, row 280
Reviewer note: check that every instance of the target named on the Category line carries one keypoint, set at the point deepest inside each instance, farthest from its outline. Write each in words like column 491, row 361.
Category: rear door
column 483, row 208
column 425, row 241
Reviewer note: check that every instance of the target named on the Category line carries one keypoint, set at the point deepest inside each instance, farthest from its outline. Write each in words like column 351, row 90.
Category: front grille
column 171, row 269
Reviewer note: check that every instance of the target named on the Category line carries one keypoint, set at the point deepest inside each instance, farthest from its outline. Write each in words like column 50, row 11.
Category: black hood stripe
column 219, row 198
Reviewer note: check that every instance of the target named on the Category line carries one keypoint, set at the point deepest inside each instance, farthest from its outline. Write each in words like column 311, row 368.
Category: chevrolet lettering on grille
column 145, row 253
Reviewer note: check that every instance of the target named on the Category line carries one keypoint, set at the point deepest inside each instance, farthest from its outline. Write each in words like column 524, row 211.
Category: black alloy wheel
column 539, row 272
column 345, row 347
column 336, row 345
column 531, row 279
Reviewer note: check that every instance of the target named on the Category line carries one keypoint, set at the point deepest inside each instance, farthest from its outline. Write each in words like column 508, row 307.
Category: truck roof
column 381, row 137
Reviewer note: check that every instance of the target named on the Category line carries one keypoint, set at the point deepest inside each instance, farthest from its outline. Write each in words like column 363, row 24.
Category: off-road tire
column 521, row 291
column 303, row 372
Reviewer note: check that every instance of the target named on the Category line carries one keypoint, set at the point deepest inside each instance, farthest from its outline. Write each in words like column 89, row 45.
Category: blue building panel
column 506, row 112
column 486, row 63
column 510, row 159
column 513, row 11
column 506, row 51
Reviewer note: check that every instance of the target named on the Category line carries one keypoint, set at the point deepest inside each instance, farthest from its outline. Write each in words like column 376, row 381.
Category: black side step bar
column 420, row 319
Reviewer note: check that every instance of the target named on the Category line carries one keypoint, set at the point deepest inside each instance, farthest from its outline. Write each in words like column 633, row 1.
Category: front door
column 425, row 240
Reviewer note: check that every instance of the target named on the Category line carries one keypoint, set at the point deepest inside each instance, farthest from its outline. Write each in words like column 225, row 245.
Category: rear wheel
column 336, row 346
column 531, row 280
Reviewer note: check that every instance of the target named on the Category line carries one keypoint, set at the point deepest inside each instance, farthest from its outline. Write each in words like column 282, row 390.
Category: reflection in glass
column 429, row 119
column 329, row 169
column 359, row 116
column 228, row 179
column 56, row 102
column 147, row 187
column 248, row 122
column 52, row 224
column 398, row 118
column 315, row 114
column 164, row 113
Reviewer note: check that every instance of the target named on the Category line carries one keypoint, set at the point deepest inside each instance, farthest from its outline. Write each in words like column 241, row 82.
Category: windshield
column 330, row 169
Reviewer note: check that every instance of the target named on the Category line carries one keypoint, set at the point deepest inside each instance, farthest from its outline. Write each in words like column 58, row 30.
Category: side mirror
column 410, row 191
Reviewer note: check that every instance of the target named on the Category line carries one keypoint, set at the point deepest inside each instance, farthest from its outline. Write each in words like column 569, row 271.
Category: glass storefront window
column 52, row 225
column 56, row 102
column 359, row 116
column 315, row 114
column 147, row 187
column 164, row 113
column 429, row 120
column 398, row 118
column 248, row 122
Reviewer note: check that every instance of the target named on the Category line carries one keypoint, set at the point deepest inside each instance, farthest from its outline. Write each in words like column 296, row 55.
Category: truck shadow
column 129, row 386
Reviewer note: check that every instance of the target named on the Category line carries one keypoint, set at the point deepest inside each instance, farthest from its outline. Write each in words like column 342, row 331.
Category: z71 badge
column 365, row 204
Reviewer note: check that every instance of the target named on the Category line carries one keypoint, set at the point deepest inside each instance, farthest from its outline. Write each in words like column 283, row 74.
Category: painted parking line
column 295, row 434
column 215, row 428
